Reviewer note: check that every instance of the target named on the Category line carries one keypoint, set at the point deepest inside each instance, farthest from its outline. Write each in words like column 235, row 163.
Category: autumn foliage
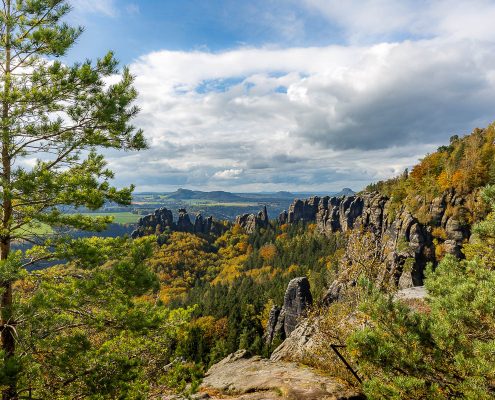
column 464, row 166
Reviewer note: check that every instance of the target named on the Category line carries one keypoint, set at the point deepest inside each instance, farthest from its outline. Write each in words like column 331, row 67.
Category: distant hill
column 228, row 197
column 220, row 196
column 269, row 196
column 345, row 192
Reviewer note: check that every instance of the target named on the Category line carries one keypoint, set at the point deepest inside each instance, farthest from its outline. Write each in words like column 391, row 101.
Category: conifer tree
column 446, row 349
column 54, row 119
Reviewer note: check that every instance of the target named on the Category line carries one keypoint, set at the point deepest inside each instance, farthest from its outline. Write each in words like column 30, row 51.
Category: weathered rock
column 402, row 234
column 280, row 325
column 160, row 220
column 413, row 293
column 202, row 225
column 296, row 300
column 303, row 210
column 251, row 222
column 283, row 217
column 437, row 209
column 297, row 345
column 456, row 235
column 333, row 293
column 271, row 326
column 184, row 222
column 238, row 377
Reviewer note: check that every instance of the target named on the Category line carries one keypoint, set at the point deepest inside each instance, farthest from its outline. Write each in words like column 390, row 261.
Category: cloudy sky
column 300, row 95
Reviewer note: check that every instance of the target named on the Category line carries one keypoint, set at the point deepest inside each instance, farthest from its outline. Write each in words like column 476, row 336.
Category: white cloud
column 105, row 7
column 367, row 20
column 228, row 174
column 316, row 118
column 132, row 9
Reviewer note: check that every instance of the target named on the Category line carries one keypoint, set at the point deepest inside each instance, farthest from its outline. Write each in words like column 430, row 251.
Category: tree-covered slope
column 463, row 166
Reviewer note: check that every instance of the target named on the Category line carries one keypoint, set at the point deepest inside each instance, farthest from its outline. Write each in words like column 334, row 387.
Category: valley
column 176, row 216
column 220, row 205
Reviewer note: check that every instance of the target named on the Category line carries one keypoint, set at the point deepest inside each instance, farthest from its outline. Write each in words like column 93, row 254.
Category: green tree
column 56, row 116
column 446, row 349
column 92, row 328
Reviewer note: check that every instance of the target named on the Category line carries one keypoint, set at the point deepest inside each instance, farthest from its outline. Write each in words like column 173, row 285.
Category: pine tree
column 446, row 349
column 59, row 116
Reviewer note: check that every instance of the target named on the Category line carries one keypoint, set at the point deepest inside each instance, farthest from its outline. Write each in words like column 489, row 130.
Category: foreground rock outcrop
column 403, row 235
column 298, row 345
column 303, row 342
column 239, row 377
column 283, row 320
column 162, row 220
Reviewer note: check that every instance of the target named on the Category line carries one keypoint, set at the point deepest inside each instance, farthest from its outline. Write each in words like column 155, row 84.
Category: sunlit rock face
column 251, row 222
column 402, row 234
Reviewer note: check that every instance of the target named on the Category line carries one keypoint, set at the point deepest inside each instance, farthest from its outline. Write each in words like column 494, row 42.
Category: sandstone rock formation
column 282, row 321
column 239, row 377
column 203, row 225
column 296, row 300
column 272, row 329
column 298, row 345
column 162, row 219
column 250, row 222
column 184, row 222
column 403, row 234
column 283, row 217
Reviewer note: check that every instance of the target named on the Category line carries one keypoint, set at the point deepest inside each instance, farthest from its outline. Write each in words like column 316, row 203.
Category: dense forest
column 158, row 315
column 142, row 318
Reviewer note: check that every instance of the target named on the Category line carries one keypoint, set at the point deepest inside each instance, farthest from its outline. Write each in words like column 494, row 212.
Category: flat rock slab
column 237, row 377
column 412, row 293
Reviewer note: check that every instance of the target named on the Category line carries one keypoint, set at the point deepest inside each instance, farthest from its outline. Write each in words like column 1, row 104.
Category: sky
column 298, row 95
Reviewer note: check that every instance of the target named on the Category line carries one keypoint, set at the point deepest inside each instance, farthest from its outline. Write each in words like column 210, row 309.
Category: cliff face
column 404, row 236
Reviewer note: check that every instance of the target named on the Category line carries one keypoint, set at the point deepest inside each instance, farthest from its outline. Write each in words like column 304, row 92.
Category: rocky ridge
column 162, row 219
column 404, row 236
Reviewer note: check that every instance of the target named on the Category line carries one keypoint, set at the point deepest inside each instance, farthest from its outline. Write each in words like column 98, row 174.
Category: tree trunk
column 7, row 321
